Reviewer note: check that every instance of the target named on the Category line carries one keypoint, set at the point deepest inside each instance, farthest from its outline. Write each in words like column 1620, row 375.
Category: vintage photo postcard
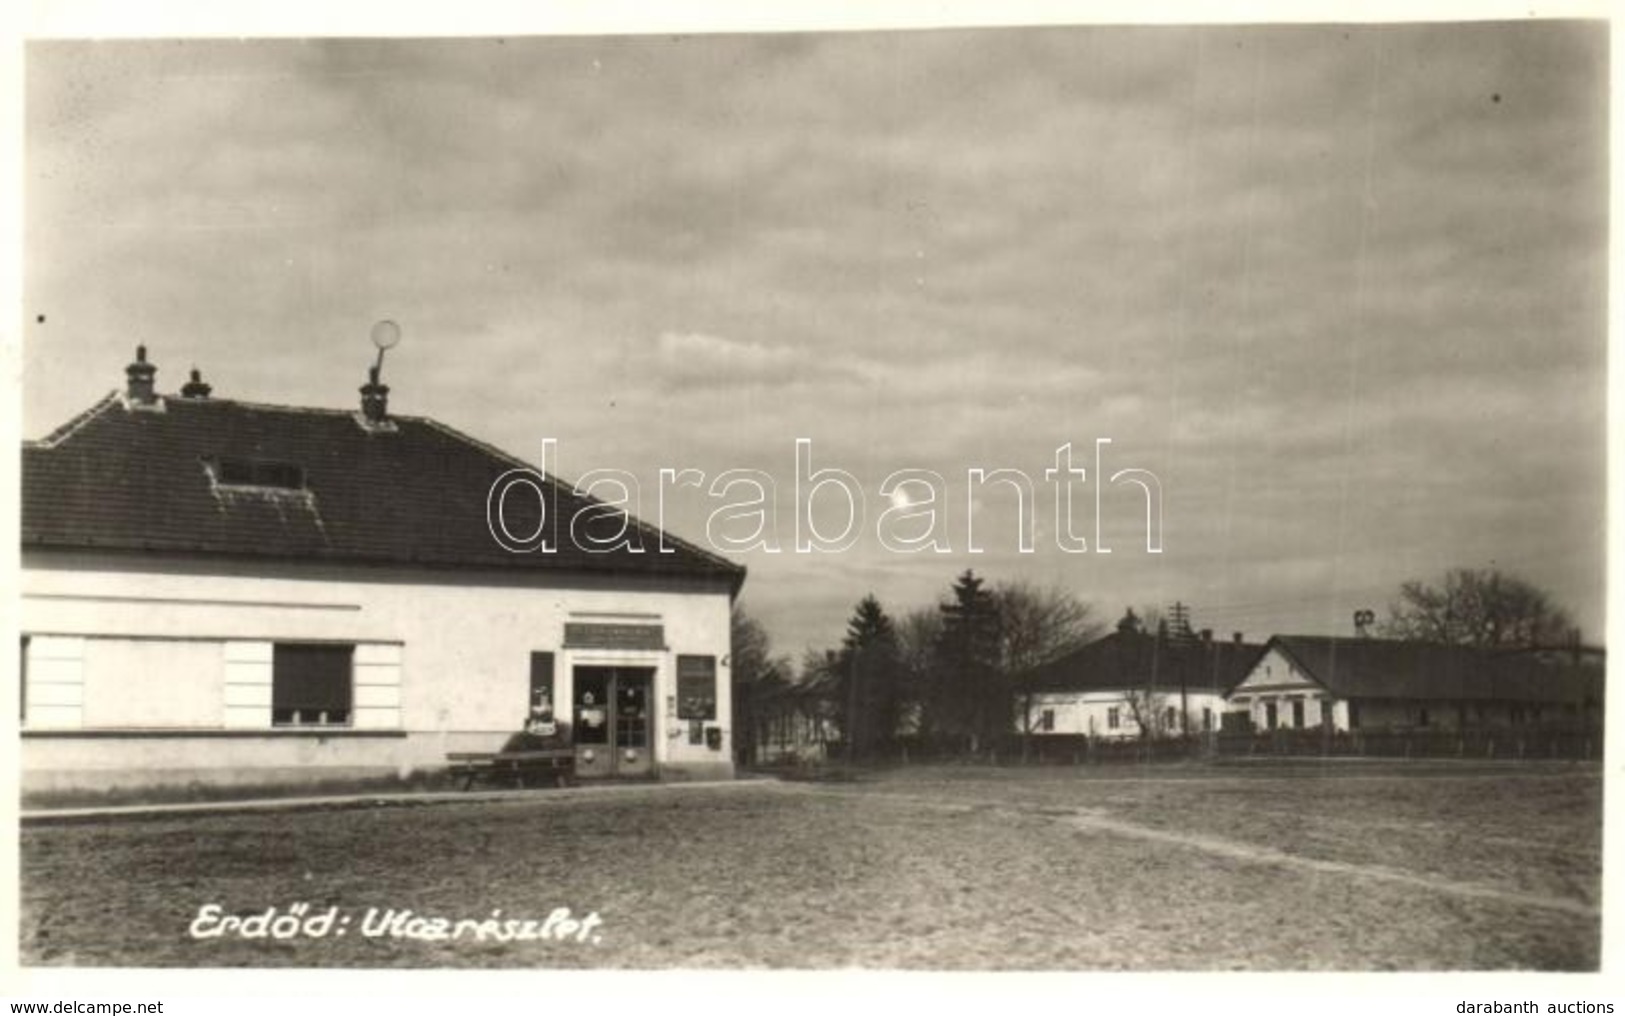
column 957, row 497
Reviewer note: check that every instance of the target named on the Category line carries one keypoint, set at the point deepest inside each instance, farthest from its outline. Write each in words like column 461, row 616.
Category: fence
column 1080, row 749
column 1527, row 743
column 1583, row 743
column 1509, row 743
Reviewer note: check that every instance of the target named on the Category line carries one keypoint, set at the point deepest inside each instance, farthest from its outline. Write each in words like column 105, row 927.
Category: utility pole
column 1149, row 721
column 1179, row 621
column 1184, row 702
column 1213, row 688
column 1182, row 631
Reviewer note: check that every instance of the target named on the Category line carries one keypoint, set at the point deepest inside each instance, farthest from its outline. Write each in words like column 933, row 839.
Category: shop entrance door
column 613, row 721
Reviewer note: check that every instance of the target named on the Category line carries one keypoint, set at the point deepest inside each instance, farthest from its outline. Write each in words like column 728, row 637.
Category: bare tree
column 758, row 681
column 918, row 632
column 750, row 646
column 1039, row 625
column 1477, row 608
column 1150, row 712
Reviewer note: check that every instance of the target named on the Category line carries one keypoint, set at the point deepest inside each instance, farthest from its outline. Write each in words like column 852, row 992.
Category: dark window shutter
column 696, row 687
column 541, row 680
column 314, row 677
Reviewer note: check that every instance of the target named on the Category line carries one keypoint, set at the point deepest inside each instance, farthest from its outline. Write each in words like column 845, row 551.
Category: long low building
column 1363, row 683
column 1131, row 684
column 225, row 592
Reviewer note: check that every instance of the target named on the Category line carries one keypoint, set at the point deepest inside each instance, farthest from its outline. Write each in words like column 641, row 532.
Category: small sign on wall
column 540, row 719
column 582, row 635
column 696, row 687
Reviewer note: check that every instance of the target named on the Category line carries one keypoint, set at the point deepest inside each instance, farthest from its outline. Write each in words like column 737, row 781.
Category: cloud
column 1342, row 287
column 696, row 361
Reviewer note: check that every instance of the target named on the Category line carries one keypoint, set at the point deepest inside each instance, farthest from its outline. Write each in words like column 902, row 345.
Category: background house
column 1130, row 680
column 1361, row 683
column 220, row 591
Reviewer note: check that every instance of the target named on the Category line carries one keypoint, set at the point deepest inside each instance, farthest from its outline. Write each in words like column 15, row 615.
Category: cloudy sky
column 1342, row 289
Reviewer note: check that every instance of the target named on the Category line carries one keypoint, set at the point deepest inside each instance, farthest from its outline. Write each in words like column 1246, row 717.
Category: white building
column 1117, row 686
column 1311, row 681
column 216, row 591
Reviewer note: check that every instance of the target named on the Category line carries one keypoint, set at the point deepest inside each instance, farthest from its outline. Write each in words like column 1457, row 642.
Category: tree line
column 955, row 675
column 945, row 673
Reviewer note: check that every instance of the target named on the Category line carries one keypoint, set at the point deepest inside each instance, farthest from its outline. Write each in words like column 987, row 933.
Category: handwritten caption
column 302, row 920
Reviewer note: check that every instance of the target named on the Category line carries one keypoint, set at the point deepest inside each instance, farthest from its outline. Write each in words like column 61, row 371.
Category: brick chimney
column 374, row 398
column 139, row 391
column 1236, row 638
column 196, row 388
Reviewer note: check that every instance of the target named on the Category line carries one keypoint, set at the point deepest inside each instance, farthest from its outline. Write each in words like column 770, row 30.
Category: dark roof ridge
column 1354, row 666
column 282, row 407
column 558, row 483
column 1283, row 643
column 1359, row 640
column 1098, row 665
column 150, row 510
column 62, row 432
column 564, row 487
column 115, row 397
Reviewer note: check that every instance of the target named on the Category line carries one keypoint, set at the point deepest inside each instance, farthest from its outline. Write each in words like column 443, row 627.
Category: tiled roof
column 117, row 478
column 1127, row 660
column 1391, row 669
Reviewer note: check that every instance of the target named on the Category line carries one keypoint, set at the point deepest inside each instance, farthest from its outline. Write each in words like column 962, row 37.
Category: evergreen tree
column 974, row 699
column 869, row 680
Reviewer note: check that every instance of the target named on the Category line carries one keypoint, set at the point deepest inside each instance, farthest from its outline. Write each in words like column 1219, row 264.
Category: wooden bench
column 518, row 767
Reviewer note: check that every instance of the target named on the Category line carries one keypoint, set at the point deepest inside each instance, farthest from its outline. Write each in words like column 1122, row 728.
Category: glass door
column 613, row 721
column 632, row 750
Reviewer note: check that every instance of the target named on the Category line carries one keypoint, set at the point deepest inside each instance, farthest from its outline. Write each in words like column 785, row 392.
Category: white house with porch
column 1311, row 681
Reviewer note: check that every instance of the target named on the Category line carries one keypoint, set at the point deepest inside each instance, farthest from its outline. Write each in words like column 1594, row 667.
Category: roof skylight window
column 257, row 473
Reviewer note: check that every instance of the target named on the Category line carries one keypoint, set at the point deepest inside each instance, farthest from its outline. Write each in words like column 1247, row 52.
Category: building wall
column 1445, row 714
column 118, row 693
column 1275, row 672
column 1276, row 680
column 1256, row 706
column 792, row 735
column 1090, row 712
column 141, row 667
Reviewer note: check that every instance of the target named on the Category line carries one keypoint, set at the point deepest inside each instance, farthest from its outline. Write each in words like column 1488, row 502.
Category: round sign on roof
column 385, row 334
